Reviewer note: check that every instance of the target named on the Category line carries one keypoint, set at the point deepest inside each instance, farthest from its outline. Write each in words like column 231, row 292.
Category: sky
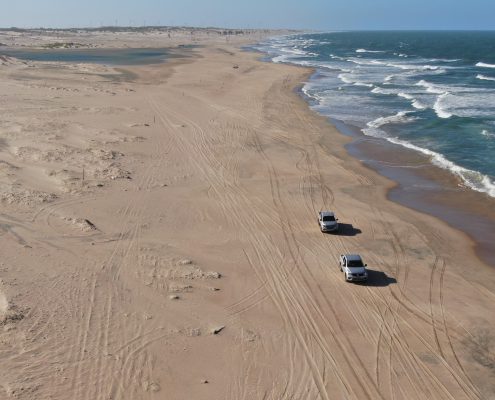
column 297, row 14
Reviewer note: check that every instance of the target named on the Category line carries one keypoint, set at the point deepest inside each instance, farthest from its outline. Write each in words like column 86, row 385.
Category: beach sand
column 188, row 264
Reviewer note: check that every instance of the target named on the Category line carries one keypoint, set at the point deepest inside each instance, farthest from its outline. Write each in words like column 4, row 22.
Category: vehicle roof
column 327, row 213
column 353, row 257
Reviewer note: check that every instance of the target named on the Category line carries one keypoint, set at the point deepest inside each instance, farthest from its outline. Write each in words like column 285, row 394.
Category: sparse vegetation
column 63, row 45
column 141, row 29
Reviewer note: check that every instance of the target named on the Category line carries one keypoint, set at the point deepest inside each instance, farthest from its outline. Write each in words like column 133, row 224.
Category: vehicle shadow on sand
column 378, row 279
column 346, row 230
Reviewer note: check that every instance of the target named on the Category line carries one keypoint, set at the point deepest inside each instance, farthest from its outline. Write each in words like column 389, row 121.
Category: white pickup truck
column 353, row 268
column 327, row 221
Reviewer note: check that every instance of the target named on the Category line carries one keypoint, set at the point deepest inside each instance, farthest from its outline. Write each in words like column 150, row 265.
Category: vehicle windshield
column 355, row 264
column 328, row 218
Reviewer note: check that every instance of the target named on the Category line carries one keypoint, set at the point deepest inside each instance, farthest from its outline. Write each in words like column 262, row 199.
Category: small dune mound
column 190, row 332
column 180, row 288
column 4, row 304
column 97, row 163
column 132, row 139
column 25, row 197
column 112, row 171
column 217, row 329
column 187, row 270
column 8, row 314
column 149, row 386
column 83, row 224
column 178, row 275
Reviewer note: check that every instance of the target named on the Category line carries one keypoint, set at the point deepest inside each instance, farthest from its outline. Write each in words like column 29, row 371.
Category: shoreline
column 439, row 193
column 425, row 191
column 422, row 186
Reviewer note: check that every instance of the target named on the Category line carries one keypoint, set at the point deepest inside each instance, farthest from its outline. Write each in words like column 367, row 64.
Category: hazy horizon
column 96, row 27
column 318, row 15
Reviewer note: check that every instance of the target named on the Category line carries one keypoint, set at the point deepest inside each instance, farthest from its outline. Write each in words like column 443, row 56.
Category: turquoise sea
column 433, row 92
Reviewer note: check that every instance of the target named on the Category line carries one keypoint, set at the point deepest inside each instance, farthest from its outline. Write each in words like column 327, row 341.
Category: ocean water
column 433, row 92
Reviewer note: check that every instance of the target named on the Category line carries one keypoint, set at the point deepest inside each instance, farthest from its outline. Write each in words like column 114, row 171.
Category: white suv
column 353, row 268
column 327, row 221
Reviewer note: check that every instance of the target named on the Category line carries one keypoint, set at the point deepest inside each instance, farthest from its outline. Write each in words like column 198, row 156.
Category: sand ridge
column 188, row 262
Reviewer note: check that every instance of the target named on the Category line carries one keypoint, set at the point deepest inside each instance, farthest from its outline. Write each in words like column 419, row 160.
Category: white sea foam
column 430, row 87
column 485, row 78
column 345, row 78
column 295, row 51
column 351, row 80
column 290, row 54
column 415, row 102
column 416, row 67
column 445, row 60
column 280, row 59
column 373, row 127
column 379, row 90
column 306, row 89
column 445, row 99
column 418, row 105
column 462, row 101
column 472, row 179
column 360, row 61
column 364, row 84
column 485, row 65
column 368, row 51
column 440, row 108
column 405, row 95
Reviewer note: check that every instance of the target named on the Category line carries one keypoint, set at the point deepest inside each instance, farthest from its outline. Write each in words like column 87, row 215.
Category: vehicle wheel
column 345, row 278
column 340, row 267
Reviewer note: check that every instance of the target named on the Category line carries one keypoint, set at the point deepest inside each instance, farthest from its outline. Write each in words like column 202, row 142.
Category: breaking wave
column 472, row 179
column 373, row 127
column 440, row 108
column 368, row 51
column 422, row 98
column 484, row 78
column 485, row 65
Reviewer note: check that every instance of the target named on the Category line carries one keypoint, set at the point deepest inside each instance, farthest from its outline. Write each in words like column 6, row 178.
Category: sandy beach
column 158, row 240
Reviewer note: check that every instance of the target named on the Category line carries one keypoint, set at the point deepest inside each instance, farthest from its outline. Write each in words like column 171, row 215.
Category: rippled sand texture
column 188, row 264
